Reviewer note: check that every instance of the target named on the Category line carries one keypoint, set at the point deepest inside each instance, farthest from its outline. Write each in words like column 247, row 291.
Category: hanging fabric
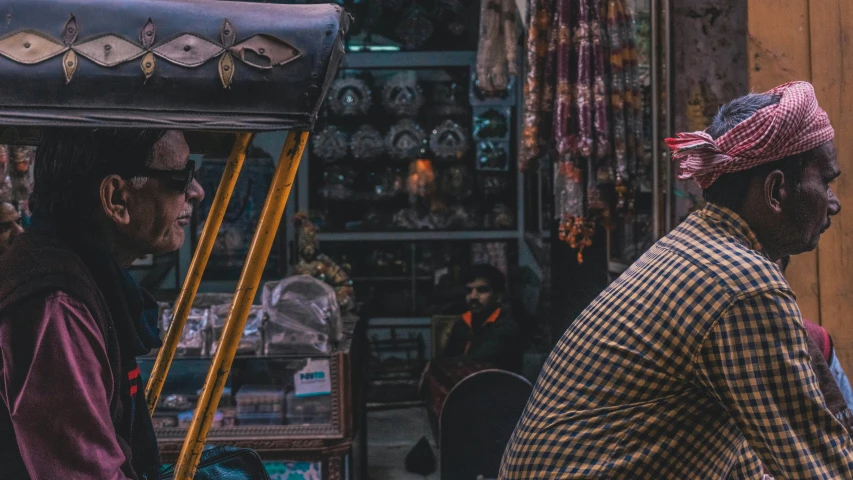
column 497, row 51
column 582, row 109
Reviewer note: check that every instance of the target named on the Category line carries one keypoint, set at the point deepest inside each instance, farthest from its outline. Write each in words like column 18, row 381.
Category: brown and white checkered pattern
column 692, row 365
column 795, row 125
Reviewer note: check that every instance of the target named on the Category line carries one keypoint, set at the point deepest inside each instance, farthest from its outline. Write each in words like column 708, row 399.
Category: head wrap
column 795, row 125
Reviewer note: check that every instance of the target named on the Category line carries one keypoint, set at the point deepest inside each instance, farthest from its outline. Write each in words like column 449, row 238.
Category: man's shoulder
column 48, row 301
column 713, row 253
column 38, row 265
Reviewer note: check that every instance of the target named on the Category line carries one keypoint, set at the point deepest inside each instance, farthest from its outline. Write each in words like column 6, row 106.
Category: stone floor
column 390, row 436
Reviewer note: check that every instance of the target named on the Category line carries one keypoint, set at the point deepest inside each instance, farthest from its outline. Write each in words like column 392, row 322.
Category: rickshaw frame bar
column 247, row 286
column 202, row 254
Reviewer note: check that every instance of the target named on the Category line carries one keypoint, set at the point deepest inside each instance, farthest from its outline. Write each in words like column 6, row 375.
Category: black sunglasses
column 177, row 180
column 11, row 224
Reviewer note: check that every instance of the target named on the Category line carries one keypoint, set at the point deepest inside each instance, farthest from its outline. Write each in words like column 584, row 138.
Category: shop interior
column 522, row 134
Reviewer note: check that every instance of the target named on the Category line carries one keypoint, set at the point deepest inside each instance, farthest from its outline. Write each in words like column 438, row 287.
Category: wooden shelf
column 398, row 60
column 429, row 235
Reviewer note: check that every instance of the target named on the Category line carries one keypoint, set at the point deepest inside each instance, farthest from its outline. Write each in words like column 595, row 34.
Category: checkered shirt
column 693, row 364
column 795, row 125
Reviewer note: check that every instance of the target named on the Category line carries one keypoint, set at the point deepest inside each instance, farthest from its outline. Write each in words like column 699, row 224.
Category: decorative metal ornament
column 493, row 185
column 330, row 144
column 402, row 96
column 449, row 140
column 415, row 29
column 456, row 182
column 406, row 140
column 492, row 123
column 445, row 100
column 367, row 143
column 350, row 97
column 493, row 156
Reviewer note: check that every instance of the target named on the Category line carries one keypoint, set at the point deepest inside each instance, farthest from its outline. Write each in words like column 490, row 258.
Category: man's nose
column 195, row 192
column 834, row 204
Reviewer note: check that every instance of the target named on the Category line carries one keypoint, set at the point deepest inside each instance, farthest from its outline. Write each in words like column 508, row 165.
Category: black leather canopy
column 184, row 64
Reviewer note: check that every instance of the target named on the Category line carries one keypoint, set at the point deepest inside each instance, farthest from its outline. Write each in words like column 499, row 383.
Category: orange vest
column 468, row 318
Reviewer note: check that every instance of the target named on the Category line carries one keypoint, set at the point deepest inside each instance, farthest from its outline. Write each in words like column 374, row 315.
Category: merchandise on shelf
column 193, row 342
column 251, row 342
column 311, row 410
column 320, row 266
column 260, row 405
column 406, row 140
column 449, row 140
column 304, row 316
column 497, row 54
column 366, row 143
column 350, row 97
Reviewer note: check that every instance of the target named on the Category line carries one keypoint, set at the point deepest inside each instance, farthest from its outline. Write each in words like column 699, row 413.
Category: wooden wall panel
column 779, row 51
column 832, row 75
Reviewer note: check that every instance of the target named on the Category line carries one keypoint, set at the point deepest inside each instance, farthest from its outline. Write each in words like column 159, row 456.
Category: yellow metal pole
column 196, row 270
column 247, row 286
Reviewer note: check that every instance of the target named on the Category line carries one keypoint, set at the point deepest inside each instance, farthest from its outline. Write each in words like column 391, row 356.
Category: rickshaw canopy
column 183, row 64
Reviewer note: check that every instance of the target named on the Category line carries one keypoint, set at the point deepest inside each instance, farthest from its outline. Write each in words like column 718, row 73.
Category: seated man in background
column 10, row 225
column 486, row 332
column 486, row 336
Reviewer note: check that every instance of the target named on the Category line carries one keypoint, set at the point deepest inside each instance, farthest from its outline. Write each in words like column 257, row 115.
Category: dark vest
column 37, row 265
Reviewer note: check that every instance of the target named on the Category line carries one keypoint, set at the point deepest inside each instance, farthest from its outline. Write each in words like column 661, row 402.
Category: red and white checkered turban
column 795, row 125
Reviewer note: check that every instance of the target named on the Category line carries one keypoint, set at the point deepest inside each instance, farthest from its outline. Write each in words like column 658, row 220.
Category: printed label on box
column 314, row 379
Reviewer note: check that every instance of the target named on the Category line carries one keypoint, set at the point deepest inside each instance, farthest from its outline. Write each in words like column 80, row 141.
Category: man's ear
column 775, row 190
column 114, row 197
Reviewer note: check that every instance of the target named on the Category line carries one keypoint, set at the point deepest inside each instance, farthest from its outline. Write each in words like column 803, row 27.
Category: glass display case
column 299, row 404
column 264, row 406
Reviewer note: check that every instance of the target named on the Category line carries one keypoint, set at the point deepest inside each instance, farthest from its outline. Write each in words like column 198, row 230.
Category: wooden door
column 811, row 40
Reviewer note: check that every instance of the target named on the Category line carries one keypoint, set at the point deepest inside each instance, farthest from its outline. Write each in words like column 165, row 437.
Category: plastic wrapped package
column 194, row 337
column 250, row 342
column 304, row 316
column 207, row 300
column 309, row 410
column 260, row 405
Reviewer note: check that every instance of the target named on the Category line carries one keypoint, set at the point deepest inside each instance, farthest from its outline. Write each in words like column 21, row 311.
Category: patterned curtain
column 582, row 109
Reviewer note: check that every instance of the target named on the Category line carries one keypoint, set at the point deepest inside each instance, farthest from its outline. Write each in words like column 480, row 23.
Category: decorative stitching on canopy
column 261, row 51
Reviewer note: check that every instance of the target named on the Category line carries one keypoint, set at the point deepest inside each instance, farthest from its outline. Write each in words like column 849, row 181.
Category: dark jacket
column 39, row 264
column 496, row 341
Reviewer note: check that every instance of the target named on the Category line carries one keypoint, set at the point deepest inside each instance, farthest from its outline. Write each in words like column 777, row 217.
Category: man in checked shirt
column 695, row 363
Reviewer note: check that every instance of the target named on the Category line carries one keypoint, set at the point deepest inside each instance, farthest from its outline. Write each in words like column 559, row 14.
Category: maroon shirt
column 54, row 380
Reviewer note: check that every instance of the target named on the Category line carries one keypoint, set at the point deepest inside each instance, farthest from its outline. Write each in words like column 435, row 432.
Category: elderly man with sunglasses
column 10, row 225
column 72, row 320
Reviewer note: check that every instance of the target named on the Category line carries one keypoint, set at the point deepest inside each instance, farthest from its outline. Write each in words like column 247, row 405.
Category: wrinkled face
column 157, row 210
column 480, row 296
column 814, row 203
column 9, row 226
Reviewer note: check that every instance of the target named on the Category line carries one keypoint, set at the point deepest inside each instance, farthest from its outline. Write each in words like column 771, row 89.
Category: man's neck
column 479, row 318
column 120, row 251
